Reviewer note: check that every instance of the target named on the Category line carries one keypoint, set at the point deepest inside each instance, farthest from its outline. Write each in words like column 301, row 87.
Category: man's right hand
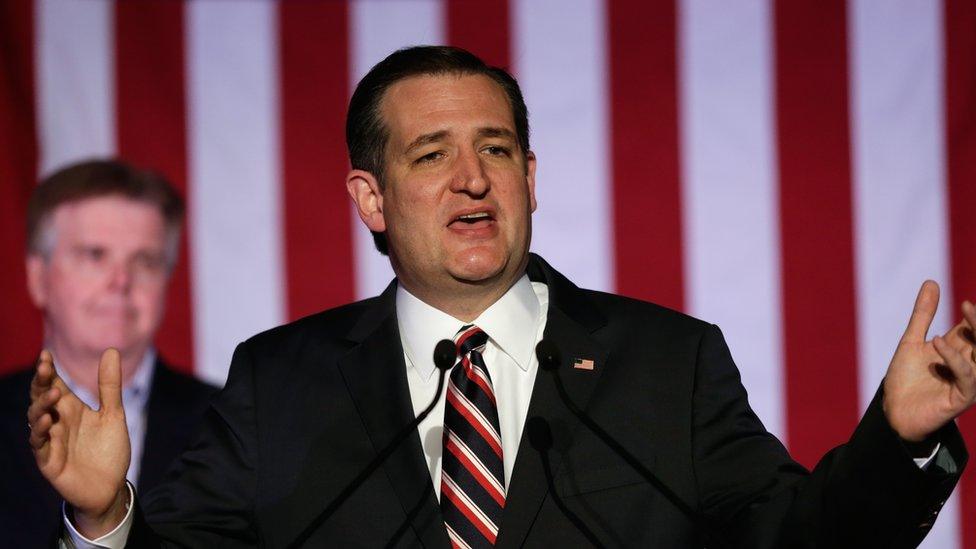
column 83, row 453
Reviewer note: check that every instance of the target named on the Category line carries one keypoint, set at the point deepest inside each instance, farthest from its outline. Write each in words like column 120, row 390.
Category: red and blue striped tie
column 473, row 472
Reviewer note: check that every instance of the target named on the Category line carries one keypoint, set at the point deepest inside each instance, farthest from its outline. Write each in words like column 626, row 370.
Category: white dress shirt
column 514, row 325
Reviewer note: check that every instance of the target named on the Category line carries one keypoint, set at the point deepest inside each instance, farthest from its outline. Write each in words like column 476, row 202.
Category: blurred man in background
column 102, row 240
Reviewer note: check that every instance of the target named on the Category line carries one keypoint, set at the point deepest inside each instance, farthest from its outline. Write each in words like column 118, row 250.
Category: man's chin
column 478, row 267
column 125, row 346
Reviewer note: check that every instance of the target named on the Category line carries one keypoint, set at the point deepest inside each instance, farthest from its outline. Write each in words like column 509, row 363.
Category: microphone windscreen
column 540, row 436
column 445, row 354
column 548, row 355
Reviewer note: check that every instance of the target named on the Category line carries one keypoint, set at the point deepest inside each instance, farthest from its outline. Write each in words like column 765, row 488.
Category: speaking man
column 640, row 435
column 102, row 240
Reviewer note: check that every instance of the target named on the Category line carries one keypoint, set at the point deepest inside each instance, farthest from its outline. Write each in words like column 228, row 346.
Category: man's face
column 459, row 192
column 104, row 283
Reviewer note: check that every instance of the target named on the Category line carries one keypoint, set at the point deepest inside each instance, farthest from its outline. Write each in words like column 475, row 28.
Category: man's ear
column 530, row 177
column 36, row 267
column 364, row 189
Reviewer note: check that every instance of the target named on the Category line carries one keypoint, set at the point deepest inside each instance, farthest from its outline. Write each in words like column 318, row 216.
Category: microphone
column 540, row 437
column 445, row 355
column 550, row 359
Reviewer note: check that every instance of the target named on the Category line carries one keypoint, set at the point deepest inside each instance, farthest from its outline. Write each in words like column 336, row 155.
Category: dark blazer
column 30, row 510
column 309, row 404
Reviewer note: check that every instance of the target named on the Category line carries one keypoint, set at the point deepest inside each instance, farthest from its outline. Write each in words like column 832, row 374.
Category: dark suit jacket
column 308, row 405
column 30, row 510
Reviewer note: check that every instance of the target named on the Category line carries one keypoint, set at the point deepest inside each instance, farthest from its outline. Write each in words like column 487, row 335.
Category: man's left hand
column 931, row 382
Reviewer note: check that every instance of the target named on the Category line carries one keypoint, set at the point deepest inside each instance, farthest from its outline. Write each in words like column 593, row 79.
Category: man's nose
column 469, row 175
column 120, row 276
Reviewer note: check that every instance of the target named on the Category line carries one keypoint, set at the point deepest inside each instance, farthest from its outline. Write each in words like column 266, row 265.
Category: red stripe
column 473, row 376
column 482, row 27
column 960, row 89
column 646, row 178
column 475, row 422
column 20, row 324
column 151, row 103
column 816, row 226
column 475, row 472
column 314, row 94
column 458, row 502
column 464, row 337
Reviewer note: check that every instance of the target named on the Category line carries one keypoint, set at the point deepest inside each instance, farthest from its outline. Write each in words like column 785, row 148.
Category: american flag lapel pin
column 583, row 364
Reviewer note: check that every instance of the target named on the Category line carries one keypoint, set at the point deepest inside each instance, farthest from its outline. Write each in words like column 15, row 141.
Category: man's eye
column 497, row 150
column 92, row 254
column 150, row 262
column 429, row 157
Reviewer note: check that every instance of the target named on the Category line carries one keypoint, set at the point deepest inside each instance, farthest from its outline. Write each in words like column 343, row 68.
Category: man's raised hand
column 930, row 382
column 83, row 453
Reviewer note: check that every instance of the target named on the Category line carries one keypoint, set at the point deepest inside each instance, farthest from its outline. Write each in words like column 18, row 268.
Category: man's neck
column 466, row 302
column 82, row 366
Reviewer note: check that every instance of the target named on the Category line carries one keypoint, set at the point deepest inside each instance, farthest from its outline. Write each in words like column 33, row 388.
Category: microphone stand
column 550, row 360
column 540, row 436
column 445, row 355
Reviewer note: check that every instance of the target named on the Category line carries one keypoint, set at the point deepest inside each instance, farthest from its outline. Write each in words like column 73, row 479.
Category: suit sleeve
column 867, row 492
column 207, row 498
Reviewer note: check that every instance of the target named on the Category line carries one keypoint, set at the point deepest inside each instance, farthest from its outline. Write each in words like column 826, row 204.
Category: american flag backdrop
column 791, row 170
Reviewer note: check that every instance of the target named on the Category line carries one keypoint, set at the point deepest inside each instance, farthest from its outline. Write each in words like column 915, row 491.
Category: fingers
column 43, row 405
column 43, row 375
column 962, row 366
column 40, row 431
column 969, row 316
column 925, row 306
column 110, row 381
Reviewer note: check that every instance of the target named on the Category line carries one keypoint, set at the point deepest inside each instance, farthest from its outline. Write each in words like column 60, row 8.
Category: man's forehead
column 114, row 216
column 416, row 105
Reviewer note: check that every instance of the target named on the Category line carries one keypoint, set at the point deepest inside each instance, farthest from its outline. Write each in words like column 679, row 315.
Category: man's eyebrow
column 433, row 137
column 426, row 139
column 496, row 132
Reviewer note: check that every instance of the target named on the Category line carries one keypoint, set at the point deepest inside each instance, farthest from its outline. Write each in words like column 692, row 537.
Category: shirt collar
column 511, row 323
column 134, row 395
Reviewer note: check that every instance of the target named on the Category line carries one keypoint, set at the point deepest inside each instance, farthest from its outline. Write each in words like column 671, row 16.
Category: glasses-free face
column 102, row 282
column 457, row 193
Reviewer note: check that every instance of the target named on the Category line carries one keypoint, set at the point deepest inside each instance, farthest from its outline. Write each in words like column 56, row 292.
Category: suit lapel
column 375, row 375
column 570, row 326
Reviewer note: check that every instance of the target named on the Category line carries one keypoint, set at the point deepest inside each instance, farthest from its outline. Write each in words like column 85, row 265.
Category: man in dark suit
column 666, row 452
column 102, row 239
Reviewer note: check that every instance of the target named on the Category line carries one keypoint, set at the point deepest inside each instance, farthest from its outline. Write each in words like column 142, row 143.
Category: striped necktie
column 472, row 473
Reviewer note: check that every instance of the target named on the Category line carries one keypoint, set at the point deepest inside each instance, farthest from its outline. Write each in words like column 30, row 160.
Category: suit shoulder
column 643, row 315
column 175, row 382
column 327, row 327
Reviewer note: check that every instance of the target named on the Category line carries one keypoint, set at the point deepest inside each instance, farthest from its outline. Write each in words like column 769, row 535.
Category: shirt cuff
column 72, row 539
column 923, row 463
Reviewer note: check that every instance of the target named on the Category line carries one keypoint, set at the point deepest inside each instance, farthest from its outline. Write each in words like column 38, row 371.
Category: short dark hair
column 367, row 136
column 98, row 178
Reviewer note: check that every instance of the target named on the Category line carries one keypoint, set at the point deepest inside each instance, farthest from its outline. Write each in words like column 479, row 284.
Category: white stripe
column 484, row 376
column 378, row 28
column 495, row 482
column 899, row 172
column 466, row 501
column 456, row 538
column 560, row 60
column 76, row 81
column 729, row 200
column 234, row 177
column 463, row 400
